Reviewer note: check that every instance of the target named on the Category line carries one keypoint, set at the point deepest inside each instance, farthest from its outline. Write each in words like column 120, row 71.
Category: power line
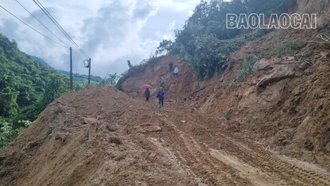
column 32, row 27
column 54, row 21
column 59, row 26
column 40, row 22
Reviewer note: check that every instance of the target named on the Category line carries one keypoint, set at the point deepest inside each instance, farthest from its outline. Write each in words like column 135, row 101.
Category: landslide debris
column 94, row 137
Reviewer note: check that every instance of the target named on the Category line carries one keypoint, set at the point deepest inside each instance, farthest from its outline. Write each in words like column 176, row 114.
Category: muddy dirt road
column 211, row 157
column 117, row 140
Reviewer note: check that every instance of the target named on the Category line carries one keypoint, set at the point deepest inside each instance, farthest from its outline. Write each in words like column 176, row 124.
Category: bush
column 207, row 42
column 8, row 133
column 111, row 80
column 321, row 5
column 289, row 46
column 121, row 80
column 247, row 69
column 211, row 54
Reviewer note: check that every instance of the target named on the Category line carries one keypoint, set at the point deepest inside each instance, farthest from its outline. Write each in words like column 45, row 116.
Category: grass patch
column 247, row 69
column 321, row 5
column 287, row 47
column 228, row 114
column 87, row 133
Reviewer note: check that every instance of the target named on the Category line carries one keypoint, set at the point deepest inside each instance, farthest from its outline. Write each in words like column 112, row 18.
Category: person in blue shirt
column 160, row 95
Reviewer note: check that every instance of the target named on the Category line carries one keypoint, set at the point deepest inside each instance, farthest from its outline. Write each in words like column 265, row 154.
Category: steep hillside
column 26, row 87
column 79, row 80
column 283, row 103
column 22, row 77
column 177, row 87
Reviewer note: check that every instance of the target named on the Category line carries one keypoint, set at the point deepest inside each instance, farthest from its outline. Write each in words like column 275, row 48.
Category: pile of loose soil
column 94, row 137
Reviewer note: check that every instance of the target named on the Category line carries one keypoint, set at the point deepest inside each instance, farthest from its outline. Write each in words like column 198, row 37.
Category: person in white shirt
column 162, row 81
column 175, row 71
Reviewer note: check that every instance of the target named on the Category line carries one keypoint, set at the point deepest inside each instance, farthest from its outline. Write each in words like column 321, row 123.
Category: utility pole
column 71, row 68
column 89, row 71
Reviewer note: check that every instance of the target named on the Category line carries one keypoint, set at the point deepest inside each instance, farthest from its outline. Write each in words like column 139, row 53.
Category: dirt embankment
column 95, row 137
column 284, row 105
column 176, row 87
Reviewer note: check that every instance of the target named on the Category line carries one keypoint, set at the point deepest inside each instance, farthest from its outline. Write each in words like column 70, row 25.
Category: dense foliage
column 26, row 87
column 25, row 83
column 206, row 41
column 81, row 80
column 111, row 79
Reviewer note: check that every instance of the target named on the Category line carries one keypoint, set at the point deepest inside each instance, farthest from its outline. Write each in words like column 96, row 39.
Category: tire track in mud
column 200, row 162
column 217, row 153
column 250, row 172
column 267, row 162
column 272, row 163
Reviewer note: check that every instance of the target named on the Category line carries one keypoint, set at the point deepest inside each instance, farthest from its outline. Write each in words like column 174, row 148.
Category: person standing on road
column 175, row 71
column 147, row 94
column 170, row 70
column 160, row 95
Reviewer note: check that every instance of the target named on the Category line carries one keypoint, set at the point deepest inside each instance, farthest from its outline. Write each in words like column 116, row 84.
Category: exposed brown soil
column 100, row 136
column 285, row 104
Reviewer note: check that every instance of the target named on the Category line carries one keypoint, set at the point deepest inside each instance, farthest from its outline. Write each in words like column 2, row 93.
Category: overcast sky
column 109, row 31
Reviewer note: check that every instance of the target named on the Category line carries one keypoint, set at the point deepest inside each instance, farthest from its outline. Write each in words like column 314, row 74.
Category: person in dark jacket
column 170, row 70
column 147, row 94
column 160, row 95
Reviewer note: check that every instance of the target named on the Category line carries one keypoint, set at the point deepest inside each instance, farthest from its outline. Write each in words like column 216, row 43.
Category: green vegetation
column 7, row 133
column 121, row 80
column 26, row 87
column 321, row 5
column 289, row 46
column 206, row 41
column 79, row 80
column 248, row 68
column 228, row 114
column 111, row 80
column 82, row 80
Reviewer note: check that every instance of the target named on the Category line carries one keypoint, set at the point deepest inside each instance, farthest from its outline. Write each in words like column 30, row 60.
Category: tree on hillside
column 8, row 105
column 164, row 46
column 56, row 86
column 26, row 87
column 112, row 79
column 206, row 41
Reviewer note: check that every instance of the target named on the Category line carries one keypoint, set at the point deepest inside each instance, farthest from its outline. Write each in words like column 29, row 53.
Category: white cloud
column 110, row 32
column 178, row 5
